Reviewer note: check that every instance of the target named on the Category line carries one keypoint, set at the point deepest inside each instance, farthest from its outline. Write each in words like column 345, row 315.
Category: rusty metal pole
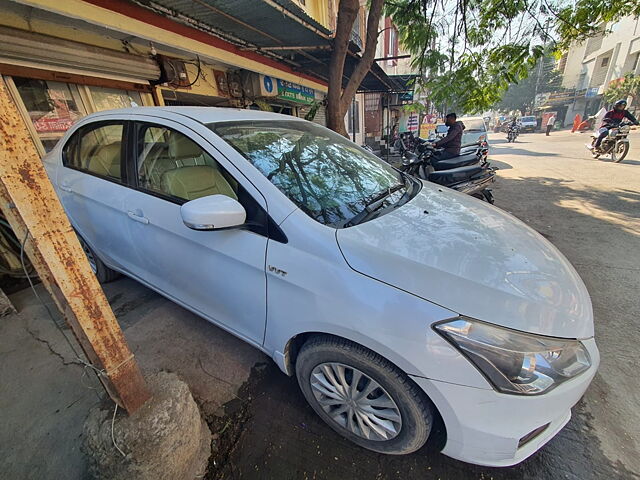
column 31, row 204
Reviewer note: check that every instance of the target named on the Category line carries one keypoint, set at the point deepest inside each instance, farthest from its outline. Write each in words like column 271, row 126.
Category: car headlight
column 516, row 362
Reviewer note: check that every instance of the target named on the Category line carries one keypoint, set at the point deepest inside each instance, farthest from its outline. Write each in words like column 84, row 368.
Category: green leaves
column 468, row 52
column 629, row 86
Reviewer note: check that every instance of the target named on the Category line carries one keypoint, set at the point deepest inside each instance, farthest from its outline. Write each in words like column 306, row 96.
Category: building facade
column 590, row 67
column 63, row 60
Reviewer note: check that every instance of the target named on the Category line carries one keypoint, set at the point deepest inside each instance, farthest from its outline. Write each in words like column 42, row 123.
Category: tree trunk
column 338, row 101
column 347, row 13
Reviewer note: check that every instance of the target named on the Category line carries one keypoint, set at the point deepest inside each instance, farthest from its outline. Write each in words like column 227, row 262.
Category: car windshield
column 527, row 119
column 474, row 124
column 327, row 176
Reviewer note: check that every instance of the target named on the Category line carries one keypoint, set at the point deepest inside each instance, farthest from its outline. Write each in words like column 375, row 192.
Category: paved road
column 590, row 210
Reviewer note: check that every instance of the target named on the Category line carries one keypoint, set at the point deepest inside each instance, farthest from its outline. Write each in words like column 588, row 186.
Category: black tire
column 619, row 151
column 416, row 411
column 103, row 273
column 488, row 196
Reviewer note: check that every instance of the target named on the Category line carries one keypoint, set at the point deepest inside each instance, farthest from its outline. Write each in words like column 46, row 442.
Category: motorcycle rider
column 514, row 125
column 612, row 119
column 453, row 141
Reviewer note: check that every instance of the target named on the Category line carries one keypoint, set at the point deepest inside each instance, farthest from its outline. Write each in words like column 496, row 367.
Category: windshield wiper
column 374, row 204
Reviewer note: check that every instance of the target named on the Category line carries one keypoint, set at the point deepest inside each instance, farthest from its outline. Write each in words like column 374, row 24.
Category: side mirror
column 213, row 212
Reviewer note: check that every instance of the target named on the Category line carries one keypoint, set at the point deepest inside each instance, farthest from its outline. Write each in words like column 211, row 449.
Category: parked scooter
column 468, row 173
column 615, row 143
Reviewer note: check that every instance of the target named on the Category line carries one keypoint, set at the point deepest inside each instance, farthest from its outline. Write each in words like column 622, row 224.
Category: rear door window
column 96, row 149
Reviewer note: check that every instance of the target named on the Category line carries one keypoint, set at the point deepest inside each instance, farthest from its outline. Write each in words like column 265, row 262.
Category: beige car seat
column 191, row 177
column 105, row 160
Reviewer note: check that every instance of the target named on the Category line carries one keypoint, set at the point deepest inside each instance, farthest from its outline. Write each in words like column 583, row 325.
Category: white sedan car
column 395, row 302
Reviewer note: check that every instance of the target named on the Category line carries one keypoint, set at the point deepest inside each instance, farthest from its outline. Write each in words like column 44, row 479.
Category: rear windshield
column 528, row 119
column 474, row 124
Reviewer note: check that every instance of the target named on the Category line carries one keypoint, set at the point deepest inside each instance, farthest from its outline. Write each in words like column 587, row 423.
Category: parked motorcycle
column 468, row 173
column 615, row 143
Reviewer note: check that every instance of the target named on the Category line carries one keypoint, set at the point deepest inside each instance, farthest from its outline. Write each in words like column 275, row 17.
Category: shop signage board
column 267, row 86
column 592, row 92
column 294, row 92
column 412, row 123
column 405, row 97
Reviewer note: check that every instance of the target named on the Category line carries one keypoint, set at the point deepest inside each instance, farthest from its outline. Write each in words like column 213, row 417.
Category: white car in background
column 395, row 302
column 528, row 124
column 475, row 130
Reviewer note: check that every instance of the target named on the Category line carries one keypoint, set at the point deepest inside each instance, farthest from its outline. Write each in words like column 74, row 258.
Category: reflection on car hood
column 474, row 259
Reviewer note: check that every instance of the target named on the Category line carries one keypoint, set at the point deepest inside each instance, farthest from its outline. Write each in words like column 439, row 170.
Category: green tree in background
column 629, row 86
column 521, row 96
column 471, row 51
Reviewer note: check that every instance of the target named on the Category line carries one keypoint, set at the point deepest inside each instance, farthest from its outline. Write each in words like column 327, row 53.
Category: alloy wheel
column 355, row 401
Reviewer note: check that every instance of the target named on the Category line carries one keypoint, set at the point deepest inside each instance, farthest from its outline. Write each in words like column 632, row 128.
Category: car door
column 91, row 184
column 218, row 274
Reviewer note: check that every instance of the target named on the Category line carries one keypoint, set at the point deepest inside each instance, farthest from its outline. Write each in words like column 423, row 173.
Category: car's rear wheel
column 103, row 273
column 363, row 397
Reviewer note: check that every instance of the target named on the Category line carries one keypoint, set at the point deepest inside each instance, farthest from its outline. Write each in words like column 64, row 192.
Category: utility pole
column 541, row 60
column 31, row 206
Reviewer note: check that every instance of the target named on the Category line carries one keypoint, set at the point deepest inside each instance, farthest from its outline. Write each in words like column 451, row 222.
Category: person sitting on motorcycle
column 514, row 125
column 612, row 119
column 453, row 141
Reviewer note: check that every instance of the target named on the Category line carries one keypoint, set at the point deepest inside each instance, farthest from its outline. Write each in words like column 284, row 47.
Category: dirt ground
column 590, row 209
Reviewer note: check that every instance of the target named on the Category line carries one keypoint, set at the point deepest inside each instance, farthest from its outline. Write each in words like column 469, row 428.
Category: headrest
column 181, row 147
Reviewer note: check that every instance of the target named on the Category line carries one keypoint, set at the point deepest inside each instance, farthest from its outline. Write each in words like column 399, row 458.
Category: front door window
column 173, row 165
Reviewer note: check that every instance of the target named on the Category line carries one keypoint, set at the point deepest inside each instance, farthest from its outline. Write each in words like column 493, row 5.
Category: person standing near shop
column 550, row 123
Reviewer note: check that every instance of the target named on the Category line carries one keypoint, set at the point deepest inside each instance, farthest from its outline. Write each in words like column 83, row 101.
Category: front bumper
column 484, row 427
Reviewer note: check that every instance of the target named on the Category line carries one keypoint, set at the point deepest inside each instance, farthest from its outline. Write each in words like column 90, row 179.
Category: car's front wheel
column 363, row 397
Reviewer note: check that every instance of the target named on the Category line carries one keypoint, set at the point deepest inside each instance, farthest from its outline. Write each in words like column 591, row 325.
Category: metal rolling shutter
column 18, row 47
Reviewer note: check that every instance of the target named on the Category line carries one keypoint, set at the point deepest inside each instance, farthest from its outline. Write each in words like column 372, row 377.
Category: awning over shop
column 404, row 83
column 279, row 29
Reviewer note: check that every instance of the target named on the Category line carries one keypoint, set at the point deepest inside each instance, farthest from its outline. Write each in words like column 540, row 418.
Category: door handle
column 65, row 187
column 138, row 218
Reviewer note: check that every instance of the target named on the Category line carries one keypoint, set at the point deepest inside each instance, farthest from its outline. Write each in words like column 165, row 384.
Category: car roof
column 201, row 114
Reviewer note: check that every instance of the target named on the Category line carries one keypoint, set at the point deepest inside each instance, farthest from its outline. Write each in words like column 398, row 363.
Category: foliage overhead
column 470, row 51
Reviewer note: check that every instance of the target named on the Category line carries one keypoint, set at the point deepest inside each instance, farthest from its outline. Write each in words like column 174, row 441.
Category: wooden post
column 30, row 203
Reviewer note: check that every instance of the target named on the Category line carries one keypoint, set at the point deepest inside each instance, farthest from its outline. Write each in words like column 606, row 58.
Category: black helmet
column 620, row 102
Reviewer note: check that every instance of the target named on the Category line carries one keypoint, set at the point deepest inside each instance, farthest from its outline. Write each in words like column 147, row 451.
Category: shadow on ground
column 518, row 151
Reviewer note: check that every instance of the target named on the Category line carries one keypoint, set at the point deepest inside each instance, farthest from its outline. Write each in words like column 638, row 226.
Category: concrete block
column 166, row 438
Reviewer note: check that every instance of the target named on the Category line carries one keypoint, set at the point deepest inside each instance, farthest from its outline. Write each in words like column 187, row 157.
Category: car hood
column 474, row 259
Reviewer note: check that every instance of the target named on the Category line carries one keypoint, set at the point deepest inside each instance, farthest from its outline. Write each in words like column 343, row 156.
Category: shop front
column 265, row 92
column 55, row 82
